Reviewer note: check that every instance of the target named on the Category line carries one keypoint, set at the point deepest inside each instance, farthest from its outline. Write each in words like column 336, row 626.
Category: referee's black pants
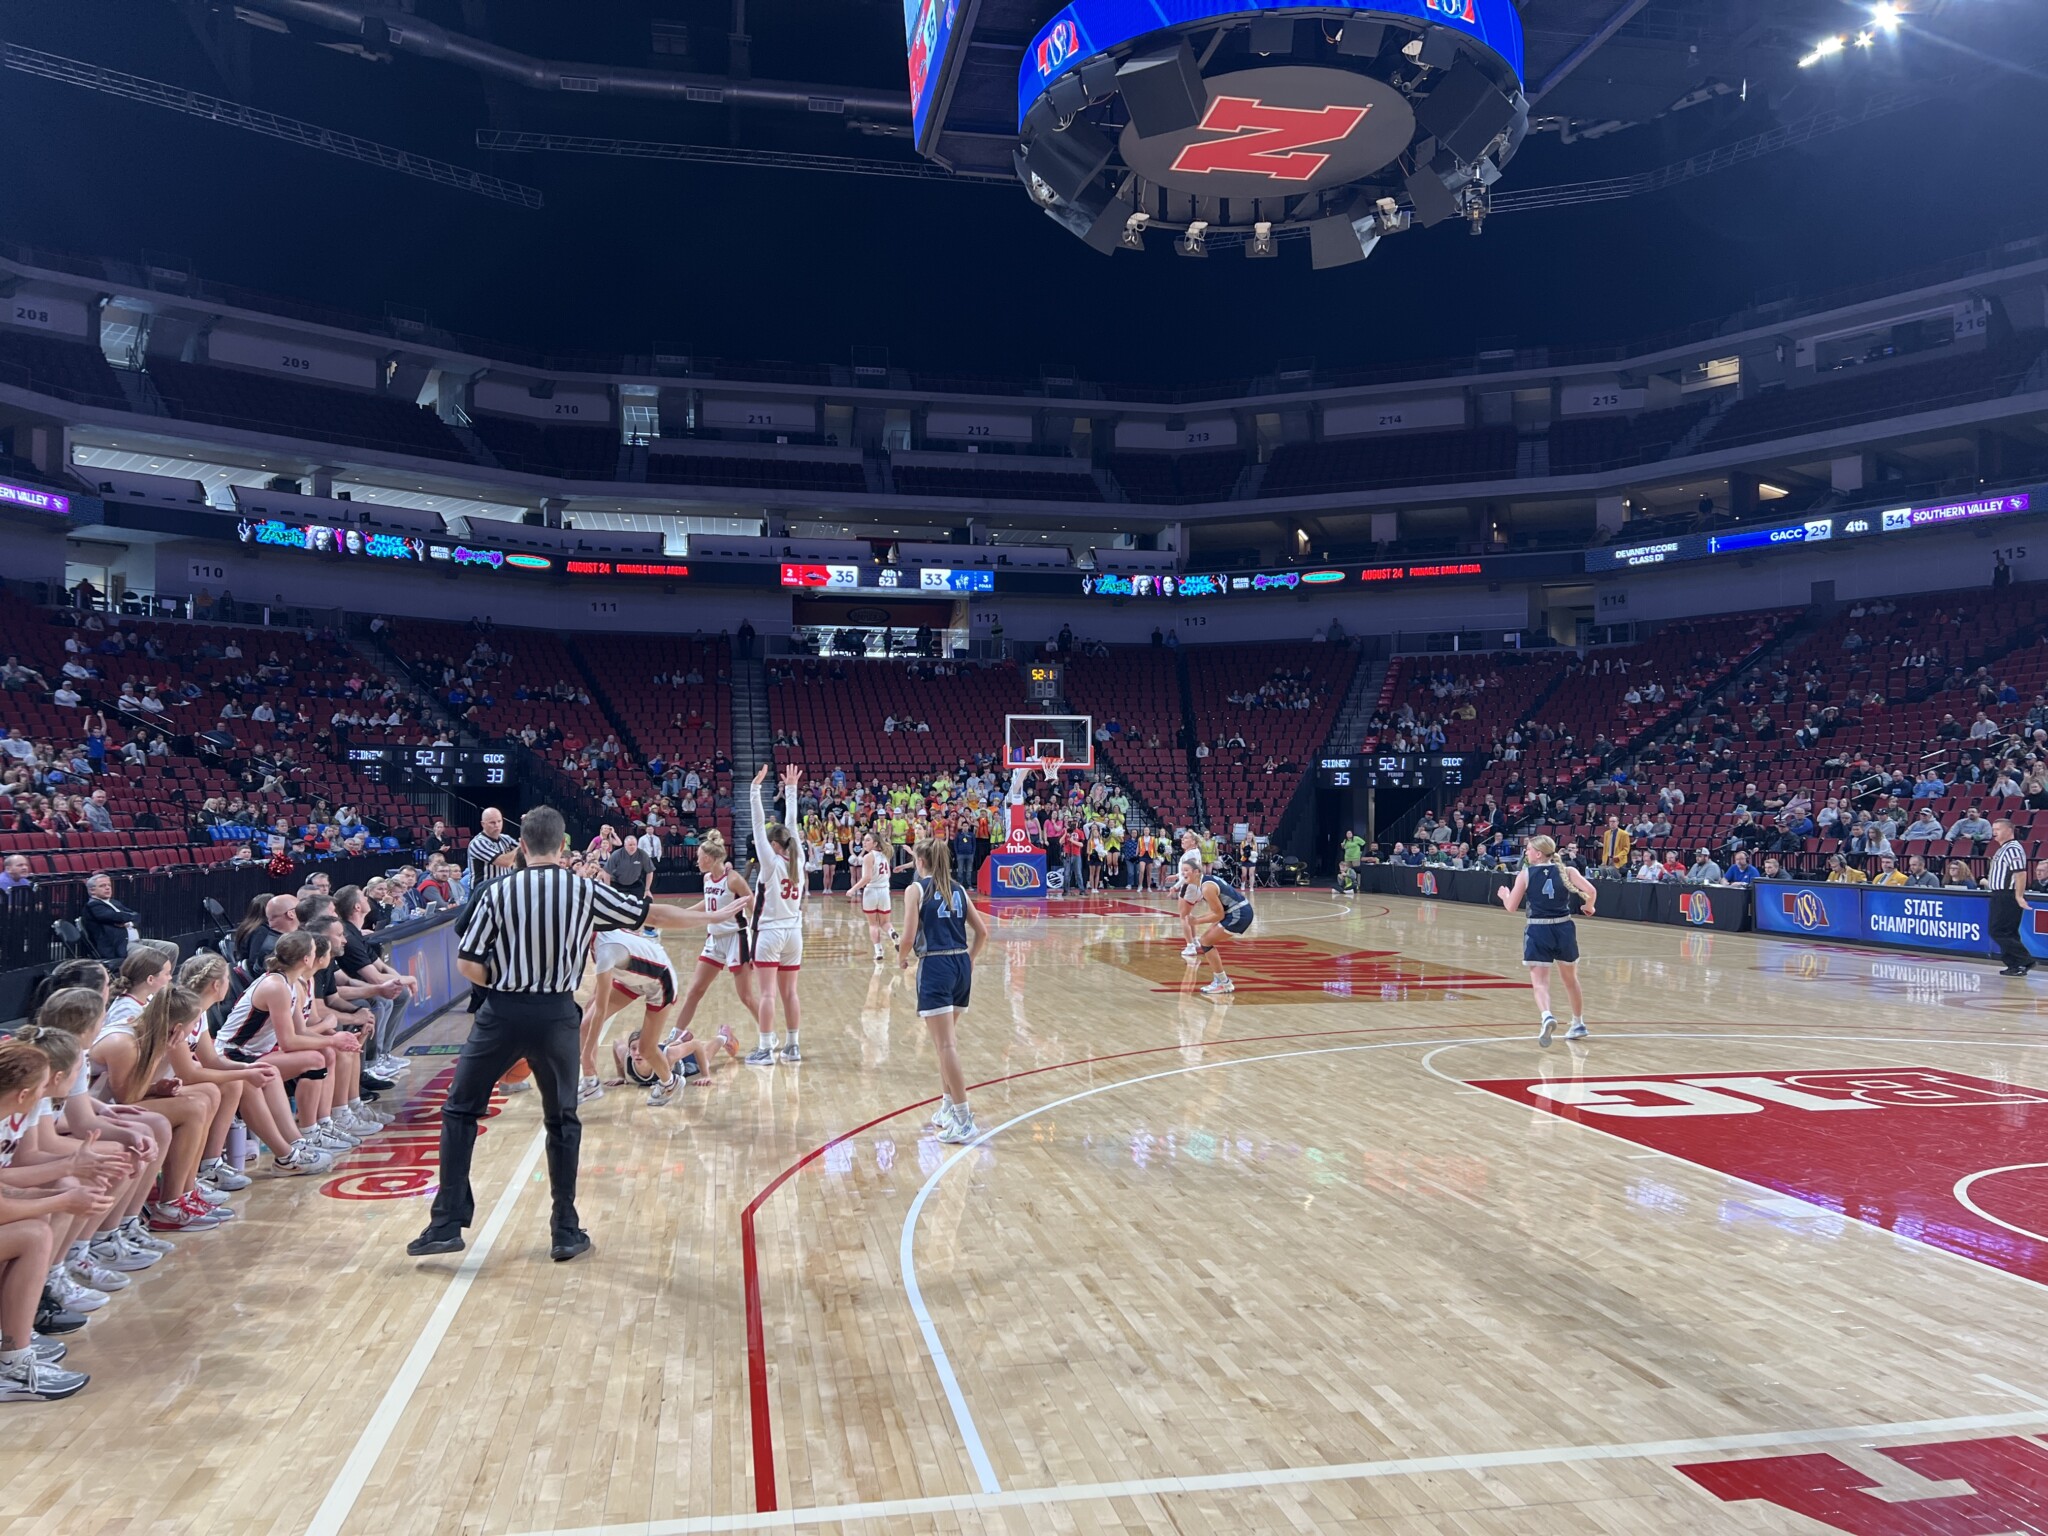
column 542, row 1028
column 2005, row 930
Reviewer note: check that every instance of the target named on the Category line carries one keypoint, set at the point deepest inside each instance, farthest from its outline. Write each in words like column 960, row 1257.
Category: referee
column 490, row 851
column 527, row 939
column 2008, row 884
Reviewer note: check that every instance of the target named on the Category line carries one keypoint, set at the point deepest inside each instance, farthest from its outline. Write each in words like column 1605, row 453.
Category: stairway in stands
column 752, row 738
column 1347, row 735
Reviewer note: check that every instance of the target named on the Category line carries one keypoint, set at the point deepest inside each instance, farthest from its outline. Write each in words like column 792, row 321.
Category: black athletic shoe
column 431, row 1242
column 51, row 1318
column 372, row 1083
column 572, row 1246
column 2014, row 970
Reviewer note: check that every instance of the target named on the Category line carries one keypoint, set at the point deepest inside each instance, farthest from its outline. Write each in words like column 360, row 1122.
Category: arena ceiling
column 731, row 221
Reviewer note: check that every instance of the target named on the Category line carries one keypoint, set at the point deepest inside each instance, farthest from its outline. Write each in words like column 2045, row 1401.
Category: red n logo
column 1266, row 140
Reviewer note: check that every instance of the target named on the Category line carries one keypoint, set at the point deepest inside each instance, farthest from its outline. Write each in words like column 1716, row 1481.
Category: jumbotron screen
column 928, row 32
column 1086, row 28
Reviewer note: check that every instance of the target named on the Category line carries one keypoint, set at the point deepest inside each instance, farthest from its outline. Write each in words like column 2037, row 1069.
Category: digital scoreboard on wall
column 1397, row 770
column 439, row 767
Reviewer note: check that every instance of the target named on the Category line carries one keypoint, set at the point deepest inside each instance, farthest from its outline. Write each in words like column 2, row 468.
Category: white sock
column 767, row 1041
column 14, row 1356
column 789, row 1037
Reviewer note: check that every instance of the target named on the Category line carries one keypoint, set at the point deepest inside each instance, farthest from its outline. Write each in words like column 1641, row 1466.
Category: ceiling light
column 1826, row 48
column 1262, row 240
column 1196, row 241
column 1885, row 15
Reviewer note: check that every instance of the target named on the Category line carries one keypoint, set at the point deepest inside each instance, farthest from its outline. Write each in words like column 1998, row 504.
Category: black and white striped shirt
column 530, row 930
column 2009, row 860
column 485, row 849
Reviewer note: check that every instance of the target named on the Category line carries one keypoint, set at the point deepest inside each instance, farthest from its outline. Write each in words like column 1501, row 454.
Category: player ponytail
column 712, row 846
column 937, row 859
column 1540, row 847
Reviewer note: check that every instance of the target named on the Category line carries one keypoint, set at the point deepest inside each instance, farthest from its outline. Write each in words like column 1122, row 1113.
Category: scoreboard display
column 1397, row 770
column 1042, row 681
column 439, row 767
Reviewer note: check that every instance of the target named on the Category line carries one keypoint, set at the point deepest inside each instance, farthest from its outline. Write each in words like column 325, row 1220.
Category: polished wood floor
column 1271, row 1263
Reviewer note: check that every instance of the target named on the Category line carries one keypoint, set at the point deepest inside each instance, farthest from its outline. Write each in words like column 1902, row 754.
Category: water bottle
column 237, row 1148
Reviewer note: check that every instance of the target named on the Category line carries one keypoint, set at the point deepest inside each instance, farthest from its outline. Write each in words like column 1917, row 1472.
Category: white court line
column 355, row 1472
column 2019, row 1392
column 906, row 1251
column 1268, row 1478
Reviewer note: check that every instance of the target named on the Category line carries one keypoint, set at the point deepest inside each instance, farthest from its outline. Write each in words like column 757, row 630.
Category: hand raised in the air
column 761, row 774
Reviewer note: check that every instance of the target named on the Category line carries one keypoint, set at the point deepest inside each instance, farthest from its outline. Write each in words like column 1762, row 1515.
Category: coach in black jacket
column 105, row 922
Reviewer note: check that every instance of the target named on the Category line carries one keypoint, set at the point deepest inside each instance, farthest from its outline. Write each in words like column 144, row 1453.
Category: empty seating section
column 76, row 370
column 1582, row 443
column 534, row 448
column 644, row 683
column 838, row 710
column 1178, row 477
column 768, row 474
column 1499, row 688
column 1867, row 395
column 571, row 731
column 201, row 393
column 1017, row 484
column 1236, row 783
column 1138, row 687
column 1357, row 463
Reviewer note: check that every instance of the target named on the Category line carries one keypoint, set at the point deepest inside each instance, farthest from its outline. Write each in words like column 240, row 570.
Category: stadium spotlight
column 1196, row 241
column 1134, row 231
column 1885, row 16
column 1262, row 243
column 1826, row 48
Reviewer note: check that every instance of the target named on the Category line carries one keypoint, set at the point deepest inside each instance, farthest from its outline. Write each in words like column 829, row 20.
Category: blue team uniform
column 1237, row 907
column 945, row 974
column 1551, row 936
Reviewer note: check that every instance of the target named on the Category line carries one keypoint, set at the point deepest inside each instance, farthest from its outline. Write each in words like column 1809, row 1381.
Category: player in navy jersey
column 1551, row 938
column 943, row 931
column 1221, row 912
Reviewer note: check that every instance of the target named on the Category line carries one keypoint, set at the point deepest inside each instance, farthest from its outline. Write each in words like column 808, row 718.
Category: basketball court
column 1346, row 1252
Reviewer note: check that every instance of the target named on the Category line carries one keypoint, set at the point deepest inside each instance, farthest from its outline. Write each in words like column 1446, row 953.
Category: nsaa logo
column 1805, row 908
column 1019, row 877
column 1425, row 883
column 1698, row 909
column 1457, row 10
column 1060, row 43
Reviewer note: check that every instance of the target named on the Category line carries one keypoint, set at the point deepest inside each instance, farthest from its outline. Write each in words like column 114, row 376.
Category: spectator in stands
column 1648, row 867
column 1984, row 728
column 97, row 814
column 1740, row 870
column 66, row 696
column 1926, row 825
column 1888, row 872
column 1959, row 878
column 628, row 868
column 14, row 872
column 1918, row 874
column 18, row 747
column 1971, row 825
column 1704, row 870
column 109, row 926
column 1614, row 844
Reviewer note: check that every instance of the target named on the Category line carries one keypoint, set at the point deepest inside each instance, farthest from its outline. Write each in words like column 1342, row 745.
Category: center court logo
column 1805, row 908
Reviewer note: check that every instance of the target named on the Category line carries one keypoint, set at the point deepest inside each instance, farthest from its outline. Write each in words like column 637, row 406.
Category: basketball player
column 778, row 922
column 1551, row 938
column 727, row 943
column 635, row 967
column 945, row 930
column 1222, row 912
column 1187, row 890
column 871, row 890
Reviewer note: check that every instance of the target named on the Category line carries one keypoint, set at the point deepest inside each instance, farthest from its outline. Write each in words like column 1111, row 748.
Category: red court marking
column 750, row 1269
column 2007, row 1489
column 1885, row 1146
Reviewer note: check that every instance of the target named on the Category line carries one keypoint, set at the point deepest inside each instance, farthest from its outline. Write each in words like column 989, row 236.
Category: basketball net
column 1019, row 839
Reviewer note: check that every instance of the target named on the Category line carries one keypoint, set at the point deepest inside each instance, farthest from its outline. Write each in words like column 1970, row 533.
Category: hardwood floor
column 1343, row 1253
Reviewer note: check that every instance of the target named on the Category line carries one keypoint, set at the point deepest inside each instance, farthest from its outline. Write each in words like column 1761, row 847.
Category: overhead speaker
column 1098, row 76
column 1107, row 217
column 1432, row 199
column 1464, row 111
column 1439, row 48
column 1069, row 160
column 1272, row 34
column 1334, row 242
column 1361, row 39
column 1163, row 92
column 1067, row 95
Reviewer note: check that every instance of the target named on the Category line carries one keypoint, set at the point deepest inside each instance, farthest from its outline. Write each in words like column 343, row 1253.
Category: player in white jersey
column 778, row 920
column 1187, row 890
column 871, row 889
